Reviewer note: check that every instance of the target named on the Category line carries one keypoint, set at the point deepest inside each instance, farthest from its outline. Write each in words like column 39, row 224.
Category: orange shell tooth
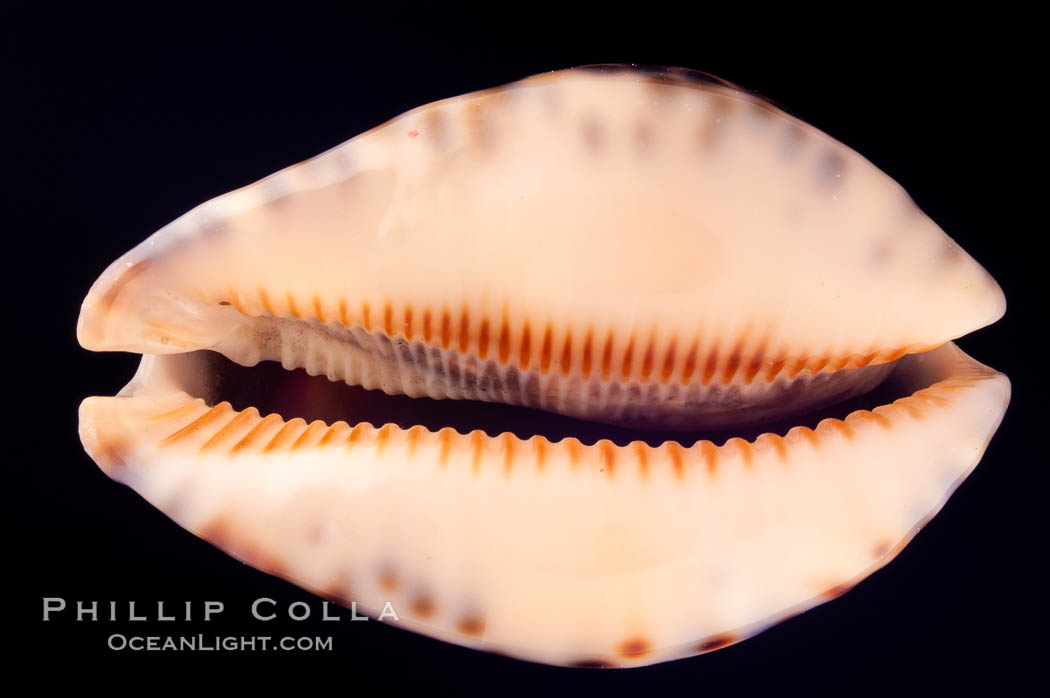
column 675, row 453
column 710, row 454
column 229, row 432
column 776, row 442
column 195, row 428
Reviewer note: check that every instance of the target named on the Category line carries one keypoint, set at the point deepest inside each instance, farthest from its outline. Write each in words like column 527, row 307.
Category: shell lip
column 158, row 392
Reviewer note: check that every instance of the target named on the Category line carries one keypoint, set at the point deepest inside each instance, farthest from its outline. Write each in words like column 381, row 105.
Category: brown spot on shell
column 713, row 124
column 480, row 125
column 216, row 532
column 643, row 137
column 837, row 590
column 388, row 580
column 664, row 94
column 593, row 664
column 435, row 128
column 716, row 642
column 634, row 648
column 593, row 134
column 471, row 625
column 793, row 140
column 110, row 456
column 951, row 252
column 831, row 167
column 422, row 606
column 880, row 253
column 762, row 113
column 314, row 534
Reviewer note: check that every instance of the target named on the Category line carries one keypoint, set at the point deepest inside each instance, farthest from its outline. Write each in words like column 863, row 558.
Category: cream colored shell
column 617, row 246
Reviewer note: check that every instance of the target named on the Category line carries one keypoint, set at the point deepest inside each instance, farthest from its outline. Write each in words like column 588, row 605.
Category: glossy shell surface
column 623, row 247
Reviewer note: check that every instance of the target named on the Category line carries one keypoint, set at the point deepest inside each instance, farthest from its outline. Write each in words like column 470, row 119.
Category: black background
column 124, row 122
